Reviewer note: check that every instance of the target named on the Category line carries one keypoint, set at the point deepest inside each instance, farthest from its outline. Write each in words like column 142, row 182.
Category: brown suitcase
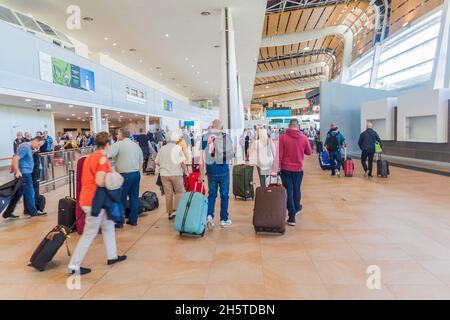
column 270, row 209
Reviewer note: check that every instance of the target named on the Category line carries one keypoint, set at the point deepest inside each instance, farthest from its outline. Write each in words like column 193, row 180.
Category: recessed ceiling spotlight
column 68, row 119
column 167, row 35
column 106, row 38
column 198, row 72
column 28, row 100
column 140, row 61
column 114, row 44
column 86, row 112
column 267, row 87
column 405, row 24
column 118, row 112
column 205, row 13
column 161, row 74
column 158, row 68
column 73, row 115
column 306, row 48
column 88, row 19
column 132, row 50
column 70, row 105
column 79, row 118
column 292, row 71
column 193, row 66
column 186, row 59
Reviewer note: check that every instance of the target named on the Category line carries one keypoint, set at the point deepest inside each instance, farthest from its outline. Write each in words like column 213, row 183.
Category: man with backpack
column 334, row 143
column 217, row 152
column 368, row 140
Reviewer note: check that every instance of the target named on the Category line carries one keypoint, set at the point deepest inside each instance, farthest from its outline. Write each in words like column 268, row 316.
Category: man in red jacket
column 293, row 147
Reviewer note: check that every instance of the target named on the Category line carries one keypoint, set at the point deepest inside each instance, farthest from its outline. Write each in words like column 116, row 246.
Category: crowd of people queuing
column 275, row 152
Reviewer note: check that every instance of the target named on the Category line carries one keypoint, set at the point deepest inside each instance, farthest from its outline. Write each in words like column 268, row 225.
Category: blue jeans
column 336, row 161
column 130, row 189
column 27, row 191
column 292, row 181
column 215, row 182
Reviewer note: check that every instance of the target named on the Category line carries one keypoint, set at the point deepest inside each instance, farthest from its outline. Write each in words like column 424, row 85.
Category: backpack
column 333, row 143
column 222, row 150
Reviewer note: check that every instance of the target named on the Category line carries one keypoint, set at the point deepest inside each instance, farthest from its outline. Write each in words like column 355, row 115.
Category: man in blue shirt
column 218, row 172
column 23, row 166
column 334, row 143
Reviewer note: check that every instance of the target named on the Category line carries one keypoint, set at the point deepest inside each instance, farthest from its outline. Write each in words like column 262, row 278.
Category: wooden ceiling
column 355, row 14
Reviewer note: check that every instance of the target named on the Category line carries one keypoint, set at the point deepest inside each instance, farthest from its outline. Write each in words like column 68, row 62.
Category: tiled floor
column 400, row 224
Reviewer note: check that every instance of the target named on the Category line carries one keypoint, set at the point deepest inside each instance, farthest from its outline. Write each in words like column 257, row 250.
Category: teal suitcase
column 191, row 214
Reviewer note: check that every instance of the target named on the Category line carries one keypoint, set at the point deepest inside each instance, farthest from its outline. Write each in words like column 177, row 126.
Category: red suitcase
column 349, row 166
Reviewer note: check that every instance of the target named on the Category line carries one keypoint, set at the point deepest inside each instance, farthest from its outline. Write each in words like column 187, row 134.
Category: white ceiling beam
column 292, row 87
column 303, row 68
column 298, row 37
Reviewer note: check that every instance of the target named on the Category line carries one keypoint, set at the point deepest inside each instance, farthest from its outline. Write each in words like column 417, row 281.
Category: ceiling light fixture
column 132, row 50
column 306, row 49
column 217, row 46
column 88, row 19
column 86, row 113
column 114, row 44
column 140, row 61
column 70, row 105
column 205, row 13
column 167, row 35
column 405, row 24
column 68, row 119
column 106, row 38
column 118, row 112
column 186, row 59
column 28, row 100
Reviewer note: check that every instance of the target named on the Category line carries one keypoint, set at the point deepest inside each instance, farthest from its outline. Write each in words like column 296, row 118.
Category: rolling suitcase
column 49, row 246
column 191, row 214
column 349, row 165
column 269, row 214
column 67, row 206
column 78, row 211
column 382, row 167
column 324, row 160
column 243, row 182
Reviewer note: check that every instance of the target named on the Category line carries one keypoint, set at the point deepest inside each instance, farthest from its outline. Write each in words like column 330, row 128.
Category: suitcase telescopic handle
column 72, row 183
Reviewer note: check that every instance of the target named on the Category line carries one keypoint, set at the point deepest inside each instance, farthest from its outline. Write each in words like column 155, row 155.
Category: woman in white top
column 171, row 166
column 262, row 153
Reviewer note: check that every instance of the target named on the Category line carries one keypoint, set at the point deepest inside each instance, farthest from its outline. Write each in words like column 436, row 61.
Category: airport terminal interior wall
column 342, row 104
column 13, row 119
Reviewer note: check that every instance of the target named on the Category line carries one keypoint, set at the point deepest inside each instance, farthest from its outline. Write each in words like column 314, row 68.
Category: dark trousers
column 27, row 191
column 292, row 181
column 130, row 189
column 367, row 156
column 146, row 154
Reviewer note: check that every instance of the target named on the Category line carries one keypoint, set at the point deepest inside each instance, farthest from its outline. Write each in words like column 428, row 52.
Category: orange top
column 96, row 162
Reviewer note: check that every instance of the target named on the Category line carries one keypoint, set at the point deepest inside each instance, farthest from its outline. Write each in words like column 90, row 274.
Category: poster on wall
column 167, row 105
column 66, row 74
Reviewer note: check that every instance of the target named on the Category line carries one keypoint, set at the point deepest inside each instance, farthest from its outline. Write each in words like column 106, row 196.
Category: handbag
column 378, row 148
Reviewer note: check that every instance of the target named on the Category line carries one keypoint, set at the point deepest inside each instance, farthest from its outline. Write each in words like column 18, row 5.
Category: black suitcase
column 49, row 246
column 382, row 167
column 67, row 205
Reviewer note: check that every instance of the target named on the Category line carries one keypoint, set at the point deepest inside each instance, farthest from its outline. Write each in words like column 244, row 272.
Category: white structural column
column 375, row 66
column 98, row 116
column 94, row 122
column 147, row 124
column 441, row 69
column 292, row 38
column 231, row 106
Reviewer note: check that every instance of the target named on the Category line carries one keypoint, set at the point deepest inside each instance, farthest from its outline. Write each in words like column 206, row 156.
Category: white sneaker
column 225, row 224
column 210, row 222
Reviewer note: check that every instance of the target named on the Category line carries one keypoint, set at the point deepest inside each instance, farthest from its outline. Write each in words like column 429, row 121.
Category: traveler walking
column 171, row 167
column 262, row 153
column 144, row 143
column 217, row 151
column 128, row 160
column 334, row 143
column 367, row 141
column 23, row 166
column 95, row 169
column 160, row 138
column 18, row 141
column 293, row 146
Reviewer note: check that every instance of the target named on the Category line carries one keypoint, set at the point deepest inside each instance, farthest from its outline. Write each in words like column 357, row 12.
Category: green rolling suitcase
column 243, row 182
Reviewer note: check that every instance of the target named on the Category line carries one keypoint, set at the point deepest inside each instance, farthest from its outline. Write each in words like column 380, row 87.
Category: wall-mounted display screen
column 66, row 74
column 276, row 113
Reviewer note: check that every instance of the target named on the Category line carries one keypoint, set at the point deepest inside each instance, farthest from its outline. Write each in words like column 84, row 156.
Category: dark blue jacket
column 367, row 140
column 110, row 200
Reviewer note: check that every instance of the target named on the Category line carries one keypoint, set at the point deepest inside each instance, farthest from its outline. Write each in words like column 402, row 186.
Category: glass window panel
column 362, row 80
column 409, row 77
column 7, row 15
column 28, row 22
column 407, row 59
